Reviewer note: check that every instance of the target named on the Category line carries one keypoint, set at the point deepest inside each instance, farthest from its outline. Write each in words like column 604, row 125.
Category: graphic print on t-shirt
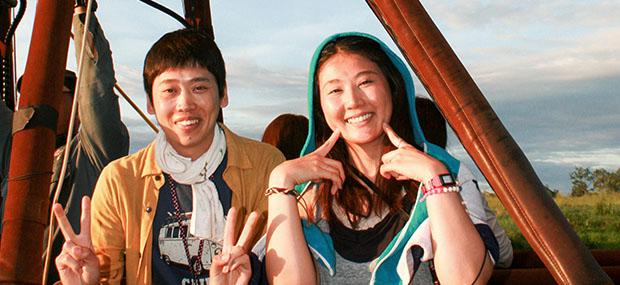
column 172, row 249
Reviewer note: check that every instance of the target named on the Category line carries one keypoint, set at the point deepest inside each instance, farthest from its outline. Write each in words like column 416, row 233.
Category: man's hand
column 233, row 266
column 77, row 263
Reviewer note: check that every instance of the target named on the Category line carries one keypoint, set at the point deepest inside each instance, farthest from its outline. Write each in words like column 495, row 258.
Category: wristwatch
column 442, row 180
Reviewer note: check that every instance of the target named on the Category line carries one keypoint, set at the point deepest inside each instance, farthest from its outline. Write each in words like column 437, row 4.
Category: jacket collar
column 237, row 156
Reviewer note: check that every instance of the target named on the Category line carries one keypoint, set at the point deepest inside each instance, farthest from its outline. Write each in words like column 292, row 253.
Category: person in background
column 379, row 202
column 435, row 130
column 100, row 136
column 288, row 133
column 159, row 215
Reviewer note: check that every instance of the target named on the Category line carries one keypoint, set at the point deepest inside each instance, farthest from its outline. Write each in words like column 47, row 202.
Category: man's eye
column 201, row 88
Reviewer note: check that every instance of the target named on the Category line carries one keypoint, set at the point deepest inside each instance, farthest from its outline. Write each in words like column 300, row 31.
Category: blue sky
column 550, row 69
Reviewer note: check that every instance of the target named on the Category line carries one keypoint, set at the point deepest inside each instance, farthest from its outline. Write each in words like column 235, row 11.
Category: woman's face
column 355, row 97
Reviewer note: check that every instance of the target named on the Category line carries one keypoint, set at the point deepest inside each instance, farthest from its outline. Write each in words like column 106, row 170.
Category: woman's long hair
column 357, row 198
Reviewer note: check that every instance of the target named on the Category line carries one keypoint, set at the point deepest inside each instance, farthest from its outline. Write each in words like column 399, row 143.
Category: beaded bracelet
column 280, row 190
column 441, row 189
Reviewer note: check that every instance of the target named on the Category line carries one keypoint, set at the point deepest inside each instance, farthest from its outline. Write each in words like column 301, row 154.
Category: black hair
column 183, row 48
column 355, row 197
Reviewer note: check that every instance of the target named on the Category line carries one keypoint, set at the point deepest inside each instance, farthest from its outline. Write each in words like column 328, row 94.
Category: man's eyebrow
column 200, row 79
column 195, row 79
column 169, row 80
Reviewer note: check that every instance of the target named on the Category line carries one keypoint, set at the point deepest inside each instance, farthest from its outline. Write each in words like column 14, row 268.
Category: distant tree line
column 598, row 180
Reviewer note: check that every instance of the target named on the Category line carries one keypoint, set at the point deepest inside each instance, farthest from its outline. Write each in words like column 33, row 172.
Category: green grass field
column 595, row 218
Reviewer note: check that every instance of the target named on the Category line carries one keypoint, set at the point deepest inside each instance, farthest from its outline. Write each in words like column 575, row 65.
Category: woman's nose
column 354, row 98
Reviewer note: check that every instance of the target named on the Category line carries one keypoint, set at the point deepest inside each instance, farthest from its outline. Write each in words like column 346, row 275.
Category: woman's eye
column 334, row 91
column 366, row 82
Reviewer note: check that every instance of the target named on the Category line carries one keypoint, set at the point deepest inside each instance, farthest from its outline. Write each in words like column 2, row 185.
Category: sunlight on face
column 355, row 97
column 186, row 104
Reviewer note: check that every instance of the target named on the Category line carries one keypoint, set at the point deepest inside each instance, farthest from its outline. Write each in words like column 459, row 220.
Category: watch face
column 446, row 179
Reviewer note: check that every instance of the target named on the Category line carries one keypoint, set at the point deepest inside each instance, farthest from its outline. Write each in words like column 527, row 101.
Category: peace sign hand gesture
column 312, row 167
column 406, row 162
column 233, row 266
column 77, row 263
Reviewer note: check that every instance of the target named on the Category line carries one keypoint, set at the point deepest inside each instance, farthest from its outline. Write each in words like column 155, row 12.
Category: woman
column 378, row 189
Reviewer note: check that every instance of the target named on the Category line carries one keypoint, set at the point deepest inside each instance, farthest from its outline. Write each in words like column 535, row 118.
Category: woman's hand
column 77, row 263
column 406, row 162
column 233, row 266
column 312, row 167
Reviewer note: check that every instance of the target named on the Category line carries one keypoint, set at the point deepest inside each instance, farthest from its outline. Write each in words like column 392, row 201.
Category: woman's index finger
column 324, row 149
column 392, row 136
column 63, row 223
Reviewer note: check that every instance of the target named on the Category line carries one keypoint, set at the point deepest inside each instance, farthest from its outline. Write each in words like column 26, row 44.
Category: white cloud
column 601, row 158
column 247, row 73
column 550, row 69
column 519, row 15
column 523, row 47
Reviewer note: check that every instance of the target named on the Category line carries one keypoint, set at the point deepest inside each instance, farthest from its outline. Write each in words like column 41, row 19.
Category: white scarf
column 207, row 213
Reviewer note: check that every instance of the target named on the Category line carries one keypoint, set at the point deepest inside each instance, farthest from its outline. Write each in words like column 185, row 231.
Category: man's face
column 186, row 103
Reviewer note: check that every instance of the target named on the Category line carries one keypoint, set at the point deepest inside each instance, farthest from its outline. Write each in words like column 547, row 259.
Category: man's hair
column 70, row 80
column 183, row 48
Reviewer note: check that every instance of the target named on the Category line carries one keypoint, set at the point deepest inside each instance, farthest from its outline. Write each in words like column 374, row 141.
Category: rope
column 8, row 38
column 15, row 23
column 167, row 11
column 65, row 160
column 136, row 108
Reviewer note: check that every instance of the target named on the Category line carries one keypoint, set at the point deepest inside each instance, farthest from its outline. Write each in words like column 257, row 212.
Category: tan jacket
column 125, row 201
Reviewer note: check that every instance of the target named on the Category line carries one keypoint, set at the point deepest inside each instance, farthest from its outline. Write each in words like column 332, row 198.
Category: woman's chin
column 362, row 140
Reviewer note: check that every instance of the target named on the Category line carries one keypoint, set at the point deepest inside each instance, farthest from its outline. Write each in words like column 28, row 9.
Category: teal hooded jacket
column 320, row 242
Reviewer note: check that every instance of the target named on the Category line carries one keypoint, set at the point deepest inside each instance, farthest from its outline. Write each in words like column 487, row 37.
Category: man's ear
column 224, row 99
column 149, row 107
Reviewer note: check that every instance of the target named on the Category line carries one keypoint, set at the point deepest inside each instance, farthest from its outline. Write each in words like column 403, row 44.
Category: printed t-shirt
column 170, row 262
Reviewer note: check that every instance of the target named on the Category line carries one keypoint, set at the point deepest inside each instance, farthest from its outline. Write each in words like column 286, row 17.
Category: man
column 101, row 137
column 158, row 214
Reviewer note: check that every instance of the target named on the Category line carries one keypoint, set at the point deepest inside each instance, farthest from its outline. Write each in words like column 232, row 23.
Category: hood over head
column 418, row 136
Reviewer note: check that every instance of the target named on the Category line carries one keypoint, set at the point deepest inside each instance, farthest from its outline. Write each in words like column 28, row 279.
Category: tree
column 606, row 181
column 581, row 179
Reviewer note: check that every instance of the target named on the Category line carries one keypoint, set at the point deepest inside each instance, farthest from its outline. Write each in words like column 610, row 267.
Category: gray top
column 349, row 272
